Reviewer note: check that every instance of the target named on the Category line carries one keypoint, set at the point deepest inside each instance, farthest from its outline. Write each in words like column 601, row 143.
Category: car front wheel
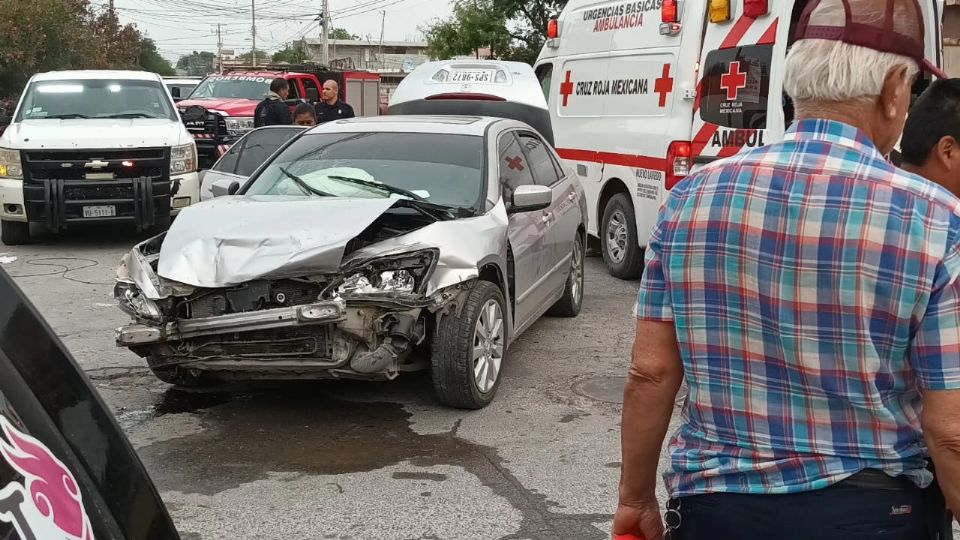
column 15, row 233
column 468, row 350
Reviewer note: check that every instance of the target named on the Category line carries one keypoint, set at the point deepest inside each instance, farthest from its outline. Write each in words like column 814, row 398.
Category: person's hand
column 639, row 518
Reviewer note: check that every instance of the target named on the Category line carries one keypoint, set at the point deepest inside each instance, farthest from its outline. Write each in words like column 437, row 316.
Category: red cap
column 893, row 26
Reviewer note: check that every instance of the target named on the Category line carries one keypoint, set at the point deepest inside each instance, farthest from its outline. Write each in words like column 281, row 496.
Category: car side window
column 311, row 90
column 514, row 167
column 294, row 89
column 541, row 162
column 260, row 145
column 228, row 163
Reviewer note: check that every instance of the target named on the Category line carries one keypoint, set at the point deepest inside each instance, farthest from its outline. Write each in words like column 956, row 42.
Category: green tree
column 45, row 35
column 292, row 53
column 341, row 33
column 150, row 59
column 512, row 29
column 197, row 64
column 262, row 57
column 475, row 24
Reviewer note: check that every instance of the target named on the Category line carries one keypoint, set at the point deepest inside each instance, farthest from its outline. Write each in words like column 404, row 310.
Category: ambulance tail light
column 669, row 11
column 553, row 29
column 755, row 8
column 678, row 162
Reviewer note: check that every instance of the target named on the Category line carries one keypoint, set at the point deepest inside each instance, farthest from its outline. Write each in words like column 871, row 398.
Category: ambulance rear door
column 740, row 101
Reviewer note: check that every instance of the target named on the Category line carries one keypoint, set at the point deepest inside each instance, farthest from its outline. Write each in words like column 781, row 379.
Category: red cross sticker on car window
column 566, row 88
column 515, row 163
column 733, row 81
column 664, row 85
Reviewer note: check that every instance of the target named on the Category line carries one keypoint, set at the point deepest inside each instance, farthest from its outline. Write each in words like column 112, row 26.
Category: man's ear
column 948, row 153
column 895, row 85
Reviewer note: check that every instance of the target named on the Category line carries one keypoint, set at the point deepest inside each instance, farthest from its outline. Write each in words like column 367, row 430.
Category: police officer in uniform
column 331, row 108
column 272, row 111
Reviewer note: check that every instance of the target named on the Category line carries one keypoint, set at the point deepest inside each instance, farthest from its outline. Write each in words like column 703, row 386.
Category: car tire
column 572, row 300
column 175, row 375
column 457, row 370
column 618, row 239
column 14, row 233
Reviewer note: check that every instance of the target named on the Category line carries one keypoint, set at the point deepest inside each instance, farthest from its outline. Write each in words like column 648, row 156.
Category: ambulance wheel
column 618, row 239
column 15, row 233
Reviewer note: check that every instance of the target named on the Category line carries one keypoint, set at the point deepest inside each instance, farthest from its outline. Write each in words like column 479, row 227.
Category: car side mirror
column 175, row 92
column 224, row 186
column 531, row 198
column 177, row 99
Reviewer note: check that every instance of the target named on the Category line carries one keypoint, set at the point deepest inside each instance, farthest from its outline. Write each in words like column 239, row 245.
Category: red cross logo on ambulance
column 566, row 88
column 733, row 81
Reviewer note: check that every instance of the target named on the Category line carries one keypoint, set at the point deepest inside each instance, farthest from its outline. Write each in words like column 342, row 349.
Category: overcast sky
column 182, row 26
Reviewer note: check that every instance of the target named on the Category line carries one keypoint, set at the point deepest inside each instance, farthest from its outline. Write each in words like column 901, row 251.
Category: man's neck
column 332, row 103
column 855, row 115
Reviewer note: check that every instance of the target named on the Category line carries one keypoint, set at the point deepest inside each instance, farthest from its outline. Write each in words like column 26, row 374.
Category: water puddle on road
column 301, row 428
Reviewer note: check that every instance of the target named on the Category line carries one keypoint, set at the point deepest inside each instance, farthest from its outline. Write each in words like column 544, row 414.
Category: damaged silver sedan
column 365, row 248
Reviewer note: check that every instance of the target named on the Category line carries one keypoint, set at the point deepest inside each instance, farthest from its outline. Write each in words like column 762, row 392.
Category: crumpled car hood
column 232, row 240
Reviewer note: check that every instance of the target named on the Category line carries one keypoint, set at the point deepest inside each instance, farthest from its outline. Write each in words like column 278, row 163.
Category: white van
column 642, row 91
column 94, row 147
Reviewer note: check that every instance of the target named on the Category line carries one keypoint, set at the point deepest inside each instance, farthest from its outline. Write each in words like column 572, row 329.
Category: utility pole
column 219, row 50
column 112, row 9
column 325, row 32
column 383, row 23
column 253, row 29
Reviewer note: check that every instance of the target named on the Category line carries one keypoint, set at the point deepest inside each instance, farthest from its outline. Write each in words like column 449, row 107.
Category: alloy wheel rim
column 488, row 346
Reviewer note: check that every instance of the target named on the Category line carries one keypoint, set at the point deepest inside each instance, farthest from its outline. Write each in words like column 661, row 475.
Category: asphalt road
column 348, row 460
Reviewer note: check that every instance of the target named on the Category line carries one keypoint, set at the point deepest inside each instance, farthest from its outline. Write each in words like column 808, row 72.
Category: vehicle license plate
column 471, row 76
column 99, row 211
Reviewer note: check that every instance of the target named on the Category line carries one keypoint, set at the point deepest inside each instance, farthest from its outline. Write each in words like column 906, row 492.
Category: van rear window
column 736, row 87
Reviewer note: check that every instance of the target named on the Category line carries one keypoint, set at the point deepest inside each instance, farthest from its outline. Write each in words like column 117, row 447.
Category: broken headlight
column 133, row 302
column 402, row 274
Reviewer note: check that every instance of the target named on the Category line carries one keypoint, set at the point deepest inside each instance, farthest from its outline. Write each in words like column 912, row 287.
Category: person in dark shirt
column 272, row 111
column 305, row 115
column 931, row 138
column 331, row 107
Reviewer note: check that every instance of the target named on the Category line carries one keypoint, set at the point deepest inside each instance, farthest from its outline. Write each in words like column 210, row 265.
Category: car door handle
column 572, row 196
column 547, row 216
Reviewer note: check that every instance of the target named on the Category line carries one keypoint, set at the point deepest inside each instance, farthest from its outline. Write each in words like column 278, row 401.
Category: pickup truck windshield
column 232, row 86
column 96, row 98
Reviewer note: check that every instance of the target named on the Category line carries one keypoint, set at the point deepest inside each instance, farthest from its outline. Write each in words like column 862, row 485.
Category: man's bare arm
column 655, row 377
column 941, row 429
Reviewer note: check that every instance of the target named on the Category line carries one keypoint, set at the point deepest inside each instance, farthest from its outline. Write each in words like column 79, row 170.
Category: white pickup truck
column 94, row 147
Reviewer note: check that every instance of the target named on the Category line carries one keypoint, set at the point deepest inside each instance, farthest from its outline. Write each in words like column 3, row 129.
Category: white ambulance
column 642, row 91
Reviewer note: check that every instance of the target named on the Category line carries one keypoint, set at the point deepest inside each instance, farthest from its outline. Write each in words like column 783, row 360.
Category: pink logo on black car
column 48, row 504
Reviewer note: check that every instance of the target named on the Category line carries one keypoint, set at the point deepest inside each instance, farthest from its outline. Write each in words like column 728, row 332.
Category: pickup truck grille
column 58, row 184
column 82, row 164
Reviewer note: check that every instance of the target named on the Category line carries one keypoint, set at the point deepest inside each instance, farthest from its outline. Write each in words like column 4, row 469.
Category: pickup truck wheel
column 175, row 375
column 14, row 233
column 468, row 350
column 618, row 237
column 570, row 303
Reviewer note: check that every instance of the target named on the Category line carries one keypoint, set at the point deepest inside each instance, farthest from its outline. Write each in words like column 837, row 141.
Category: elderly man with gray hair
column 808, row 292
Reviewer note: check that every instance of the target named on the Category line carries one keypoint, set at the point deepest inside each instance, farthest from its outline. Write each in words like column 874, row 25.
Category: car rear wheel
column 618, row 237
column 175, row 375
column 572, row 299
column 468, row 350
column 14, row 233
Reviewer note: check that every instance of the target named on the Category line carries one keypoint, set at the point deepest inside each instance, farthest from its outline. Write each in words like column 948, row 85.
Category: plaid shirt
column 814, row 291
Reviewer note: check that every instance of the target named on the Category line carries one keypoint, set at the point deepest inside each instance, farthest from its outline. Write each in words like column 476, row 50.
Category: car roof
column 96, row 74
column 522, row 85
column 451, row 125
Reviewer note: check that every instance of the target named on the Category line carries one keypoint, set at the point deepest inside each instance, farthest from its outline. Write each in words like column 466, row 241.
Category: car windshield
column 232, row 86
column 96, row 98
column 445, row 170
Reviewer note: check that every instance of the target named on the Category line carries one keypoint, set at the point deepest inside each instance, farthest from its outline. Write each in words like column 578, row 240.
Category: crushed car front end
column 363, row 318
